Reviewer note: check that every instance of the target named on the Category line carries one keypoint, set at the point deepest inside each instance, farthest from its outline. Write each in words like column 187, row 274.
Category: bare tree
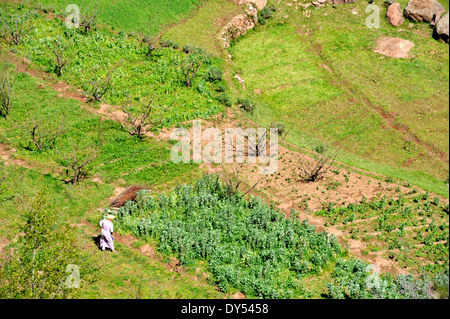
column 59, row 50
column 317, row 165
column 4, row 174
column 7, row 183
column 77, row 160
column 88, row 18
column 154, row 40
column 100, row 85
column 6, row 84
column 234, row 182
column 17, row 26
column 139, row 125
column 40, row 133
column 190, row 65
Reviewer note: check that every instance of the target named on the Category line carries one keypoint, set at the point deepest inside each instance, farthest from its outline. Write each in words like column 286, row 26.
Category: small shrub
column 221, row 88
column 261, row 20
column 280, row 126
column 213, row 74
column 168, row 44
column 266, row 13
column 246, row 104
column 189, row 48
column 225, row 100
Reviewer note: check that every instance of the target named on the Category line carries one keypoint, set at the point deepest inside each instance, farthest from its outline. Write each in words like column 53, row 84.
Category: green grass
column 325, row 82
column 202, row 28
column 131, row 15
column 137, row 78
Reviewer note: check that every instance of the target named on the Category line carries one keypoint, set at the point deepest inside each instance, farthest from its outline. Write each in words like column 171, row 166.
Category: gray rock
column 442, row 28
column 423, row 10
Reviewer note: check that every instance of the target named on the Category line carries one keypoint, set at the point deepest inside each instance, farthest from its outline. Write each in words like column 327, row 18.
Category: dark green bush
column 168, row 44
column 225, row 100
column 221, row 88
column 213, row 74
column 265, row 13
column 261, row 20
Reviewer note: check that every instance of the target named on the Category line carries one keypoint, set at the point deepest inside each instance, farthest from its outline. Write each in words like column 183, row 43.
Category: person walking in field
column 106, row 238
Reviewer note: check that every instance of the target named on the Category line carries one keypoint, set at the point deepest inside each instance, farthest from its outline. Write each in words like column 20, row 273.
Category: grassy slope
column 76, row 203
column 146, row 14
column 150, row 165
column 202, row 28
column 119, row 268
column 288, row 62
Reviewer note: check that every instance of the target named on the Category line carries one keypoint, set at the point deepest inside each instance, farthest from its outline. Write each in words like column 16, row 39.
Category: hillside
column 88, row 114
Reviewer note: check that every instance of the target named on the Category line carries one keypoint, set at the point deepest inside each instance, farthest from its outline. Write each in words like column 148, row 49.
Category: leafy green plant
column 190, row 65
column 44, row 251
column 213, row 74
column 247, row 244
column 225, row 99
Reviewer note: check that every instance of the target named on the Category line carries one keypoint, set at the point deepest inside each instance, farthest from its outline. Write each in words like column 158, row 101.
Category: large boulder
column 394, row 14
column 394, row 47
column 442, row 28
column 423, row 10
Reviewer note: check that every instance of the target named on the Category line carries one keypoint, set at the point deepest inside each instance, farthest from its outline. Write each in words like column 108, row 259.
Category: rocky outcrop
column 259, row 4
column 394, row 14
column 394, row 47
column 423, row 10
column 238, row 26
column 442, row 28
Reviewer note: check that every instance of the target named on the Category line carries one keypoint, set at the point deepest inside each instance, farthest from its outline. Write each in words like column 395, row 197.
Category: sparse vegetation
column 6, row 89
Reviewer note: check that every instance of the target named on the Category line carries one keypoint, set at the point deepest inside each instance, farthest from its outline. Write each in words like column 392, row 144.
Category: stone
column 260, row 4
column 343, row 1
column 238, row 26
column 394, row 14
column 394, row 47
column 423, row 10
column 318, row 4
column 442, row 28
